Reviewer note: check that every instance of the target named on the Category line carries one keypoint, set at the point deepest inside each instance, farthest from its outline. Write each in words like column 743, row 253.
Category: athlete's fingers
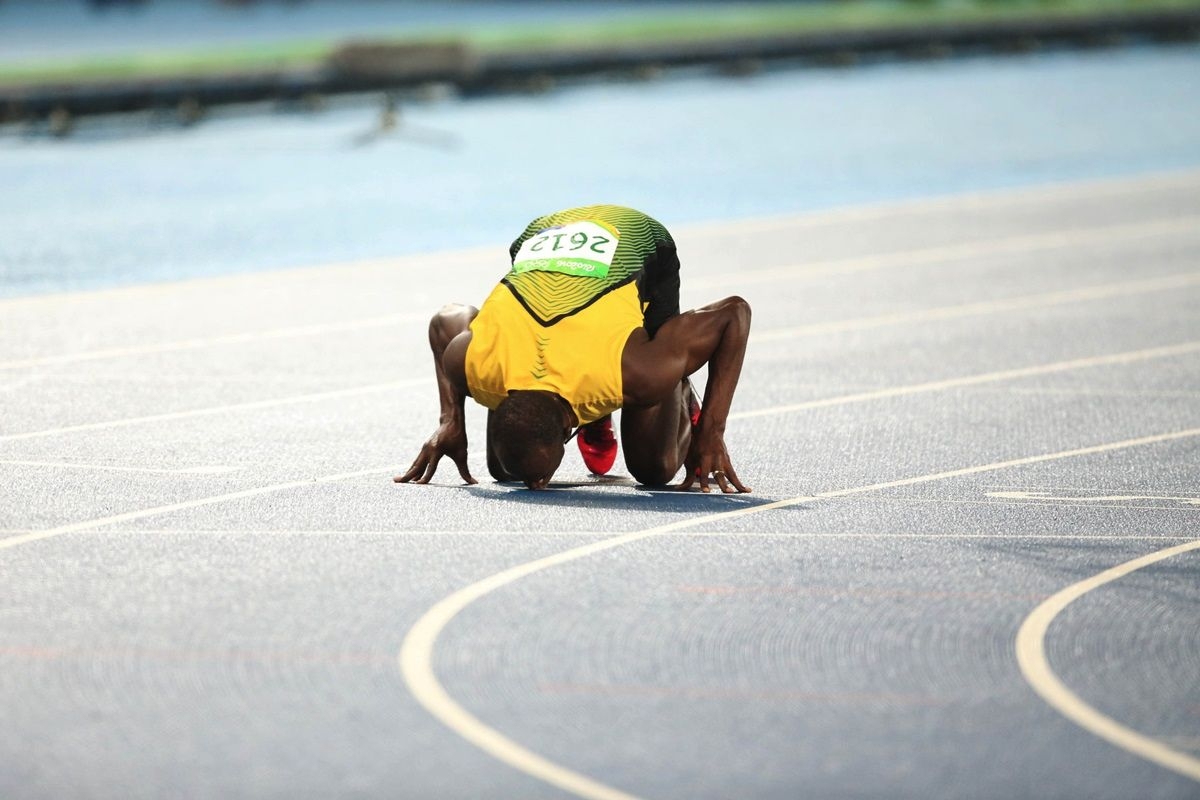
column 461, row 462
column 430, row 468
column 733, row 478
column 416, row 469
column 688, row 480
column 704, row 479
column 723, row 482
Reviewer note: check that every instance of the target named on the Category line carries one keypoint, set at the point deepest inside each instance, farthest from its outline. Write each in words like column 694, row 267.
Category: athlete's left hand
column 707, row 456
column 450, row 439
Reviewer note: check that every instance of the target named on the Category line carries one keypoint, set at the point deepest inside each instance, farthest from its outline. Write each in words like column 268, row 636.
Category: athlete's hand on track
column 450, row 439
column 708, row 456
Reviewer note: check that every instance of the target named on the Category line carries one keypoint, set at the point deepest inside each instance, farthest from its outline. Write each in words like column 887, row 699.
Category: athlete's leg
column 657, row 438
column 651, row 370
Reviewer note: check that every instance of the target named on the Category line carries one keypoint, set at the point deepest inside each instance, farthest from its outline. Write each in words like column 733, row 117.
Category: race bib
column 579, row 248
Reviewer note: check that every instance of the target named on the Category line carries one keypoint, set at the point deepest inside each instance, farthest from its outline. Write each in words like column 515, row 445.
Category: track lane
column 417, row 652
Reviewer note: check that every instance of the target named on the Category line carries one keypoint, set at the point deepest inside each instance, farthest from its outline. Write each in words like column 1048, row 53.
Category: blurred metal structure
column 382, row 66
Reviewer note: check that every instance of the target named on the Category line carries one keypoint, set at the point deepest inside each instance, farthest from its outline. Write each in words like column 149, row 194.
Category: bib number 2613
column 580, row 248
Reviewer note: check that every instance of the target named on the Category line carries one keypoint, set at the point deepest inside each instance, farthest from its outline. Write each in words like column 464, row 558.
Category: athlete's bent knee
column 738, row 305
column 657, row 473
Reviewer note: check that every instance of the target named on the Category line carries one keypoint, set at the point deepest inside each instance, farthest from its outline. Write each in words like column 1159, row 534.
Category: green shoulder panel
column 550, row 293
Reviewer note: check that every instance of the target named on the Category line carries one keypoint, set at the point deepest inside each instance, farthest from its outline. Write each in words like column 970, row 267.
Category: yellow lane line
column 1127, row 357
column 977, row 309
column 416, row 653
column 211, row 410
column 1031, row 657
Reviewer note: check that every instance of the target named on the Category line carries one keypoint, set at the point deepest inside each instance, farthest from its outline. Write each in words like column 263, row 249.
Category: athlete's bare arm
column 449, row 335
column 653, row 368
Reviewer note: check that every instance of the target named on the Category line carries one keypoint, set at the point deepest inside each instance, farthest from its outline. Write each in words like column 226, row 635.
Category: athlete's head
column 529, row 429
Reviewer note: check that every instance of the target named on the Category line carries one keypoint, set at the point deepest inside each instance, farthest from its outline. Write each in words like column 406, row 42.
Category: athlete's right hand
column 450, row 439
column 709, row 456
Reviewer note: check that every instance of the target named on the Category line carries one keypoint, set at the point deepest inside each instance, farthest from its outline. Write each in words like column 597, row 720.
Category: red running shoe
column 693, row 405
column 598, row 445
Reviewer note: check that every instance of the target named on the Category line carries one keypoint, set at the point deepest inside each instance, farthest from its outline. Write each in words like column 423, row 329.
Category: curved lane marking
column 1031, row 657
column 416, row 652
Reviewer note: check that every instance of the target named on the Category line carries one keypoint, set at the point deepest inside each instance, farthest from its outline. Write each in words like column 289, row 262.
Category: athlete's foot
column 598, row 445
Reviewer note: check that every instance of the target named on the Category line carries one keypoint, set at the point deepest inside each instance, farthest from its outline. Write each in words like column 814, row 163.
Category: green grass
column 658, row 26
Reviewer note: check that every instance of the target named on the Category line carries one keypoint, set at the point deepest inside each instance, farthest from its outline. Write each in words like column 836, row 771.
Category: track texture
column 207, row 575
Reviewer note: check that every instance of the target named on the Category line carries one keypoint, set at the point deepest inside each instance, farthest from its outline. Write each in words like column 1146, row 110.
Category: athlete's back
column 565, row 261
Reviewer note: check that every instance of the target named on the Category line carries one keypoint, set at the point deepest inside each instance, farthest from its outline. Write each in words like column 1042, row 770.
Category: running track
column 968, row 568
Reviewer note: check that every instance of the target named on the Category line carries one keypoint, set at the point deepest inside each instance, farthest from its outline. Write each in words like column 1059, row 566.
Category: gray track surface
column 860, row 645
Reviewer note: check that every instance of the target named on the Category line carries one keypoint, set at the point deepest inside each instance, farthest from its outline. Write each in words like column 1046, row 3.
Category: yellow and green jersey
column 566, row 261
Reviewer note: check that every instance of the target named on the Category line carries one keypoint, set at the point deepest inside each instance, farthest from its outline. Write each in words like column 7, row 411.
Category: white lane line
column 1127, row 357
column 975, row 201
column 1031, row 657
column 976, row 309
column 1017, row 504
column 290, row 332
column 819, row 268
column 255, row 280
column 859, row 397
column 327, row 532
column 1067, row 500
column 1086, row 392
column 1096, row 537
column 314, row 397
column 130, row 516
column 1182, row 742
column 1089, row 537
column 941, row 253
column 215, row 470
column 416, row 653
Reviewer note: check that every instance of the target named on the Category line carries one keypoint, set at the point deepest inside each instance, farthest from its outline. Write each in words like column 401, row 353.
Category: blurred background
column 147, row 140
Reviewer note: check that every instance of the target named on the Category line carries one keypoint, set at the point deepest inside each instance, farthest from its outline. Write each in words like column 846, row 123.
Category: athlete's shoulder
column 603, row 212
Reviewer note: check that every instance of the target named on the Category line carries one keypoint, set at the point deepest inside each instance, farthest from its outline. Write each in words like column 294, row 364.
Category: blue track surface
column 951, row 411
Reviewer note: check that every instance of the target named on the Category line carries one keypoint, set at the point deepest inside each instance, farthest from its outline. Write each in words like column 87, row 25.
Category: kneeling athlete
column 587, row 322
